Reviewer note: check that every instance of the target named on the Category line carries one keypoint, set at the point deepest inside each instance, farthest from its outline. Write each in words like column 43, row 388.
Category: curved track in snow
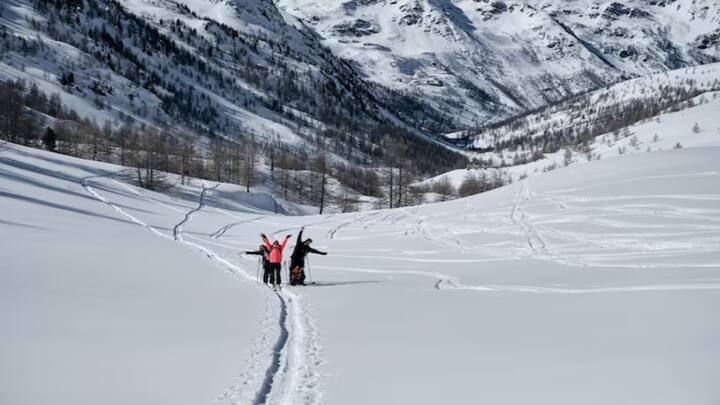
column 177, row 229
column 284, row 362
column 519, row 216
column 290, row 378
column 222, row 231
column 274, row 368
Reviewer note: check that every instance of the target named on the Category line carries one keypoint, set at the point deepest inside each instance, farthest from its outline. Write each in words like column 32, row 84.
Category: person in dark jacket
column 262, row 251
column 297, row 259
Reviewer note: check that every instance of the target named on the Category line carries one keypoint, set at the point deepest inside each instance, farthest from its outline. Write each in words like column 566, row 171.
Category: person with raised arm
column 297, row 259
column 275, row 251
column 263, row 253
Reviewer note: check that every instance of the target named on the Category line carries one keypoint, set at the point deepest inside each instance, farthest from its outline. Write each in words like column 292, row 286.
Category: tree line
column 577, row 121
column 304, row 174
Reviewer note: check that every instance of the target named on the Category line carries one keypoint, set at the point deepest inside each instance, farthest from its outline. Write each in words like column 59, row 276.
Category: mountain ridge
column 520, row 55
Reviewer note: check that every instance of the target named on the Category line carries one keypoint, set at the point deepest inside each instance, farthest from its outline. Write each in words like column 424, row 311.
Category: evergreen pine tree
column 49, row 140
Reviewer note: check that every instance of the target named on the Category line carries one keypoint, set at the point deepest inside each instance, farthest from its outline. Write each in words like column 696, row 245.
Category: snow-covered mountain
column 583, row 118
column 366, row 85
column 674, row 109
column 477, row 60
column 234, row 69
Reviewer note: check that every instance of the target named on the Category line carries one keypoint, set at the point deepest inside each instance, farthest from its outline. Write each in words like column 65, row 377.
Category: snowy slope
column 696, row 125
column 595, row 284
column 589, row 285
column 648, row 114
column 598, row 107
column 96, row 309
column 693, row 127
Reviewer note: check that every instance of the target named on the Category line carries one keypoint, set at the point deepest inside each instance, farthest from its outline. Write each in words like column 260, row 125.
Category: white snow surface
column 705, row 79
column 594, row 284
column 663, row 132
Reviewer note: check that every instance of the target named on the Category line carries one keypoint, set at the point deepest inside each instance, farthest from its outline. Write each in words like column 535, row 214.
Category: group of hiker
column 272, row 254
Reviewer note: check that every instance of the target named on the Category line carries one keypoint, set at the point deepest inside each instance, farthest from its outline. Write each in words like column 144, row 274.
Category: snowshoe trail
column 446, row 282
column 222, row 231
column 519, row 217
column 296, row 380
column 85, row 183
column 177, row 229
column 277, row 354
column 291, row 376
column 334, row 230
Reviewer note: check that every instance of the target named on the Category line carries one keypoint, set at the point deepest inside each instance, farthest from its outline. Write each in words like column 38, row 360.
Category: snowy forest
column 185, row 133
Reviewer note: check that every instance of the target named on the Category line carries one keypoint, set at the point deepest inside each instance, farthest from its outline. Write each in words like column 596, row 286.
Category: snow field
column 590, row 284
column 90, row 313
column 596, row 284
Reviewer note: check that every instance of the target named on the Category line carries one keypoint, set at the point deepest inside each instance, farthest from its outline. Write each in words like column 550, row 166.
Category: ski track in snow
column 177, row 229
column 221, row 232
column 274, row 369
column 244, row 392
column 519, row 217
column 85, row 183
column 291, row 377
column 329, row 218
column 446, row 282
column 287, row 338
column 334, row 230
column 538, row 248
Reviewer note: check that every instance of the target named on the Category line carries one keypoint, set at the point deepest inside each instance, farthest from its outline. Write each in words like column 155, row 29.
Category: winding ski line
column 221, row 232
column 267, row 385
column 177, row 229
column 216, row 244
column 290, row 339
column 290, row 374
column 139, row 194
column 292, row 228
column 518, row 216
column 334, row 230
column 85, row 183
column 290, row 377
column 446, row 282
column 298, row 380
column 591, row 290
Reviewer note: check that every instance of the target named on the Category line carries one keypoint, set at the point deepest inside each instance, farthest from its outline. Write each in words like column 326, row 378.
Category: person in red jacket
column 275, row 251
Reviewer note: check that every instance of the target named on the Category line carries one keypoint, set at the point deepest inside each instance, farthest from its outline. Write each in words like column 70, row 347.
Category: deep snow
column 592, row 284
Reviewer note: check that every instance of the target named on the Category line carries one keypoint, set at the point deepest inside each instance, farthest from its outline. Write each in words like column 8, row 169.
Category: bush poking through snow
column 443, row 186
column 472, row 184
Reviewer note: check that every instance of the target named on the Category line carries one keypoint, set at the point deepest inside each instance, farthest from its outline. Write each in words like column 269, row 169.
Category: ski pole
column 287, row 269
column 308, row 268
column 257, row 274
